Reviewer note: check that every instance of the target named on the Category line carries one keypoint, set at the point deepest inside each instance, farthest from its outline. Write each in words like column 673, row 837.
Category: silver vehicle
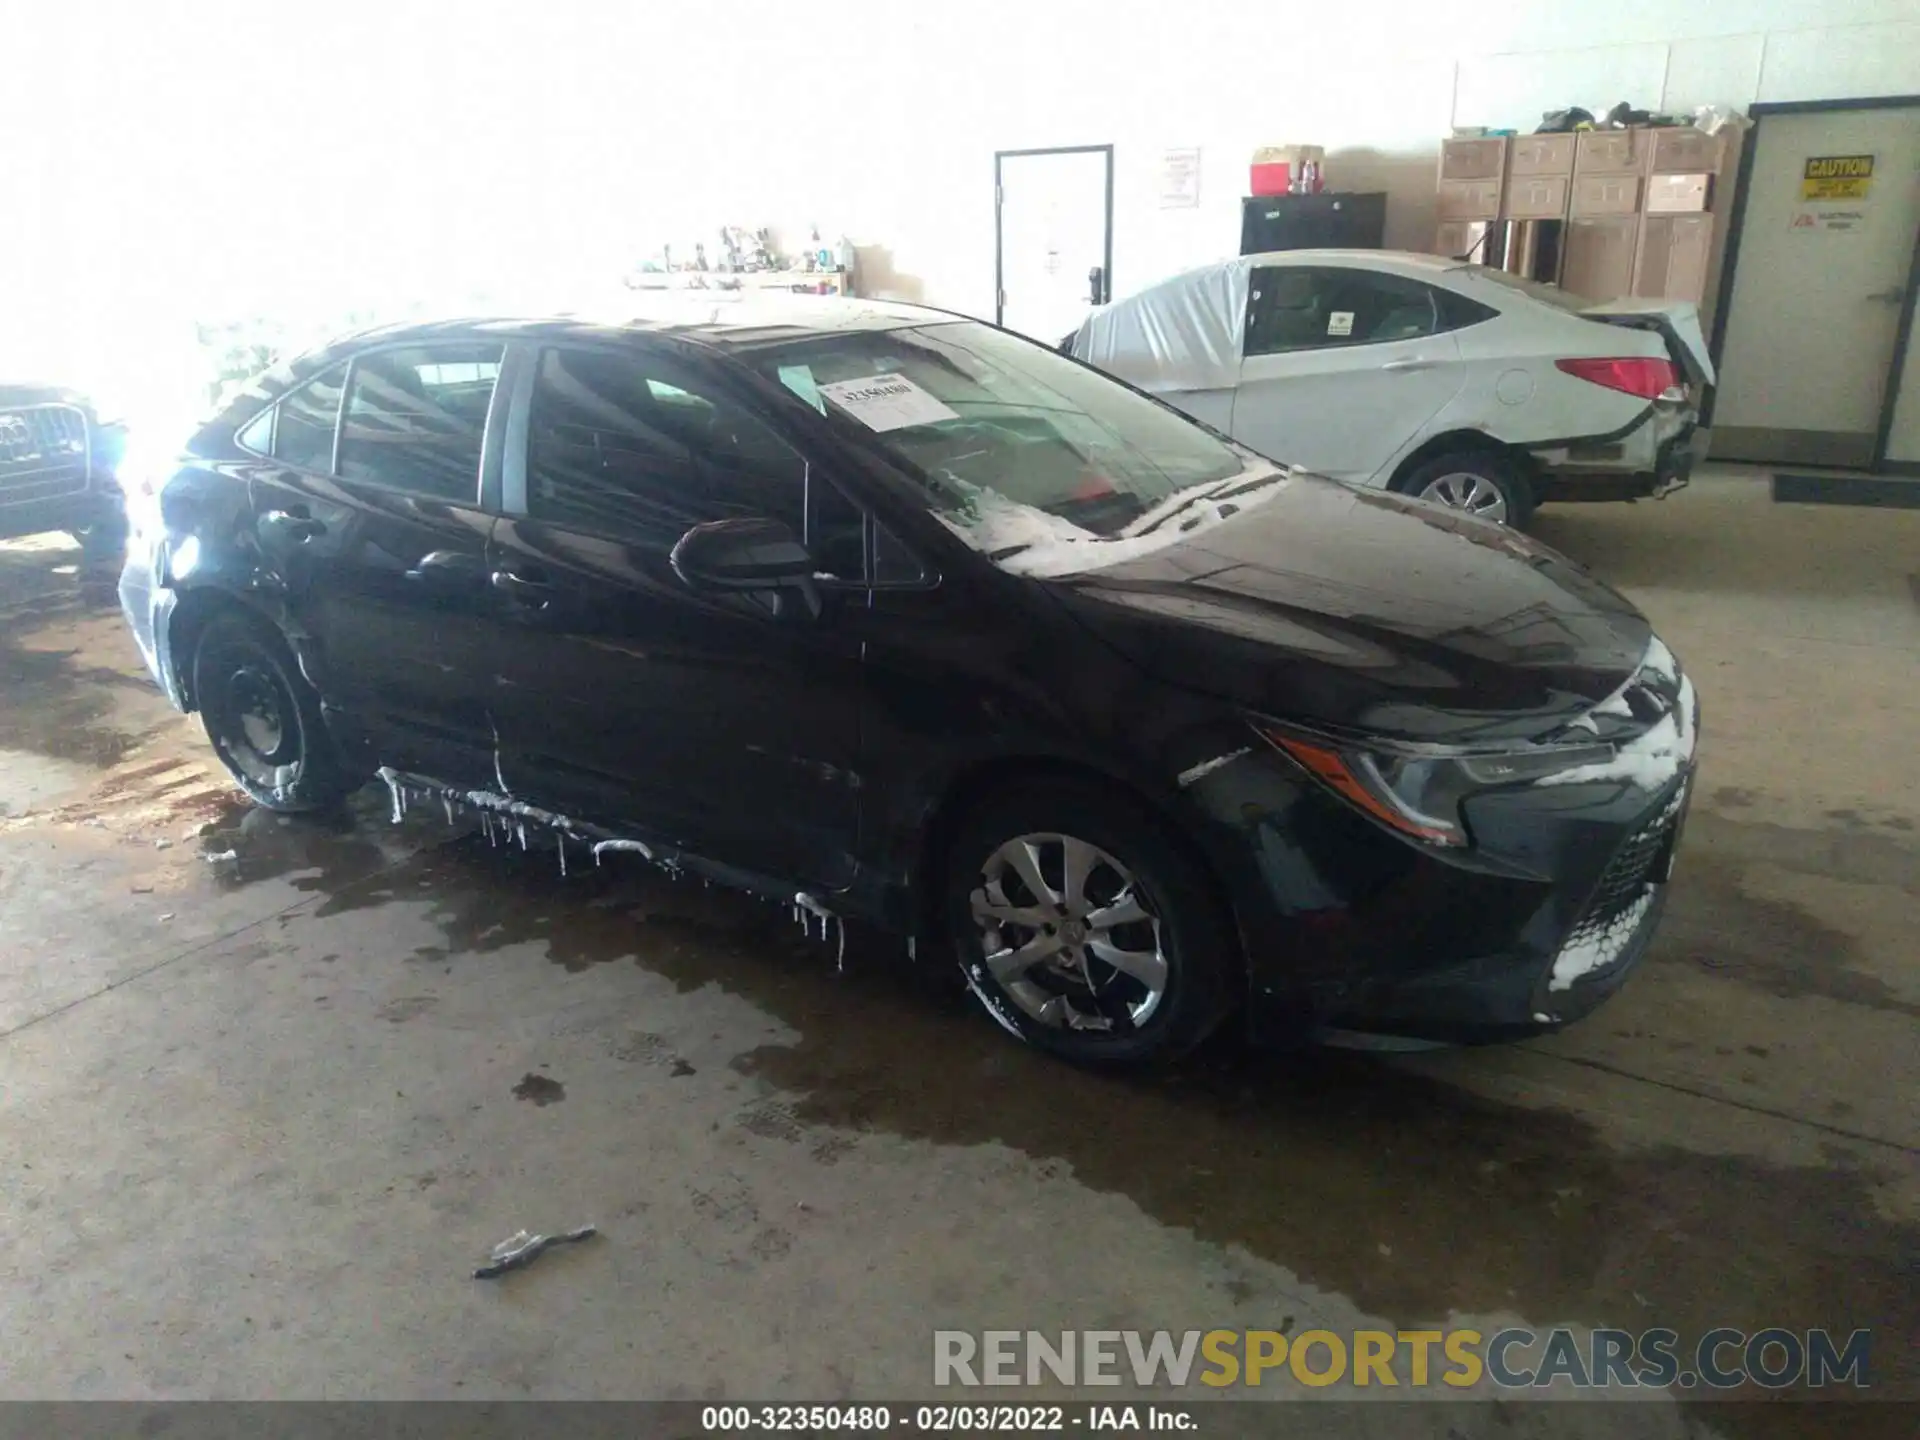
column 57, row 468
column 1460, row 384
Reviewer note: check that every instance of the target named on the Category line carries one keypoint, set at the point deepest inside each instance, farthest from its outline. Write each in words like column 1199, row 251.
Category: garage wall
column 1232, row 77
column 221, row 160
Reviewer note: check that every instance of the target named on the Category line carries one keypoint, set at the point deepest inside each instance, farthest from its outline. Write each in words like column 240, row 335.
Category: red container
column 1271, row 179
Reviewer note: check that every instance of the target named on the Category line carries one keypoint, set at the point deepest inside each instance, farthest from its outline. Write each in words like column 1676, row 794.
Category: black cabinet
column 1329, row 220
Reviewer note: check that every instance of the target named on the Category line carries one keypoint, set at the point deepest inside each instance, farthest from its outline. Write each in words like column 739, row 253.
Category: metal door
column 1053, row 238
column 1823, row 259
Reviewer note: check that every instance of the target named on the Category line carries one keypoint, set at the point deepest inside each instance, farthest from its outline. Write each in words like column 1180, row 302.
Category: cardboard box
column 1468, row 200
column 1608, row 152
column 1675, row 253
column 1598, row 256
column 1679, row 194
column 1606, row 195
column 1536, row 197
column 1477, row 159
column 1681, row 148
column 1540, row 155
column 1462, row 237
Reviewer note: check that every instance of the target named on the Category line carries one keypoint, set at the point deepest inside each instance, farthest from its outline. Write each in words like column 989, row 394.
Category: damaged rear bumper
column 1651, row 458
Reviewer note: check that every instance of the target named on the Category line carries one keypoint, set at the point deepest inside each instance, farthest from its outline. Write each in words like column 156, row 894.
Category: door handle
column 1889, row 297
column 447, row 565
column 1398, row 365
column 526, row 588
column 293, row 524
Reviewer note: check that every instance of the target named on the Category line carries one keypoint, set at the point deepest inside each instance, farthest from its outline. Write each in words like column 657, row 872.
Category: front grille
column 43, row 452
column 1620, row 900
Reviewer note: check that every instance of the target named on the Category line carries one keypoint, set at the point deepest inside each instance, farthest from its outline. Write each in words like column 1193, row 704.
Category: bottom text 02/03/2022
column 942, row 1419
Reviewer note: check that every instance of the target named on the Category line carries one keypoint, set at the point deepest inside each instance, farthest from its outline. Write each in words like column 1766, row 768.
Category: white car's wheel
column 1476, row 482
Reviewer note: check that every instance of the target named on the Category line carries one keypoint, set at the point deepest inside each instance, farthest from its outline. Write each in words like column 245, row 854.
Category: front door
column 1054, row 212
column 380, row 539
column 1342, row 368
column 1826, row 249
column 726, row 726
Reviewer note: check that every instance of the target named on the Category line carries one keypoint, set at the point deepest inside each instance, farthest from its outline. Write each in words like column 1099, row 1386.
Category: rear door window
column 1297, row 307
column 416, row 417
column 1457, row 312
column 303, row 431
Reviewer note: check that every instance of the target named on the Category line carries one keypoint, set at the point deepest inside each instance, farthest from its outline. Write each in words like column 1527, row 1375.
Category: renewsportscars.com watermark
column 1511, row 1359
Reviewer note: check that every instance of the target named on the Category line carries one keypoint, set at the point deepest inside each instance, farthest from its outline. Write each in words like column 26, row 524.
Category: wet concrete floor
column 261, row 1115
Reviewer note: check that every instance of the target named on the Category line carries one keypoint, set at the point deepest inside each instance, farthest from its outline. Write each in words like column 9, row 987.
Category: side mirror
column 745, row 554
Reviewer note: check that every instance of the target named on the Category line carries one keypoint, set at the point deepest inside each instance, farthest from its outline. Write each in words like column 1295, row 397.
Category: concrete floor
column 259, row 1118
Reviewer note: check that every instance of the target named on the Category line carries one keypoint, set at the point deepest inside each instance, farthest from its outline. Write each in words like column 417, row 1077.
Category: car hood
column 1359, row 611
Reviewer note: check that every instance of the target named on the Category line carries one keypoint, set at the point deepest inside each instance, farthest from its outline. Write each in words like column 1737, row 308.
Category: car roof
column 725, row 320
column 1233, row 271
column 1400, row 262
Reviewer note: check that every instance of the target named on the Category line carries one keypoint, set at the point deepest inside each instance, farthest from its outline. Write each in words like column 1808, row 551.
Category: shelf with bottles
column 800, row 282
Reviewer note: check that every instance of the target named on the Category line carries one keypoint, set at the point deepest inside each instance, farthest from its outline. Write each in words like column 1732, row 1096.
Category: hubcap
column 1473, row 493
column 261, row 737
column 1067, row 935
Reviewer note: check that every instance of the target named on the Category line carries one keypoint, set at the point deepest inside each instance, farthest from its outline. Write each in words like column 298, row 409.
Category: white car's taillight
column 1631, row 375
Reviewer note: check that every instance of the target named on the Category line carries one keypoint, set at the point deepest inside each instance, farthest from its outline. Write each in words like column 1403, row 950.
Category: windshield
column 1030, row 457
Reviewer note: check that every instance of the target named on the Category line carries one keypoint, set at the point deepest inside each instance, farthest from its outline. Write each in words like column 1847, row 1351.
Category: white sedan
column 1457, row 383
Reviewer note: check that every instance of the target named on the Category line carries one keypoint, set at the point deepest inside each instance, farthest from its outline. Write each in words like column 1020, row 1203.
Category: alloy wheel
column 1463, row 490
column 1068, row 935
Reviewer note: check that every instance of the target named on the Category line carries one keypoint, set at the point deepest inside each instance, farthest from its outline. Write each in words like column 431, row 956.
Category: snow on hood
column 1046, row 546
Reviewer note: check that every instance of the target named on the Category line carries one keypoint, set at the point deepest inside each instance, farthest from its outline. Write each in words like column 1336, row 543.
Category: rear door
column 1342, row 367
column 370, row 516
column 720, row 724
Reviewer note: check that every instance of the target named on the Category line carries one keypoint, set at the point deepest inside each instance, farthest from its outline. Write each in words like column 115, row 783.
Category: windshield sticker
column 799, row 379
column 1340, row 322
column 887, row 402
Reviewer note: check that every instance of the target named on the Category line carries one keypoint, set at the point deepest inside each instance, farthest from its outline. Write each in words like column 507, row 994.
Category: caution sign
column 1837, row 177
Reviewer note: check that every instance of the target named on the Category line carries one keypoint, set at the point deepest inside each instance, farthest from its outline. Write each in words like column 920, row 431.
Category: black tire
column 1193, row 934
column 1489, row 467
column 264, row 719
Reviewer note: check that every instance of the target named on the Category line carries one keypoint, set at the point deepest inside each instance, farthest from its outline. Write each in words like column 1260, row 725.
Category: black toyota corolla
column 891, row 615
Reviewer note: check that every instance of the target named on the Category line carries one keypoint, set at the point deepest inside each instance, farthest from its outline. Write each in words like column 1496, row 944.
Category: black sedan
column 891, row 615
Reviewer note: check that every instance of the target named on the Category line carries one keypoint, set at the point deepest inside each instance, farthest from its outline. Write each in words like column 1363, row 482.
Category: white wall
column 232, row 155
column 1378, row 85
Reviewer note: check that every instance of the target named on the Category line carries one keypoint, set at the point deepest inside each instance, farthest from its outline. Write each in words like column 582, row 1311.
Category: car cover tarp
column 1182, row 334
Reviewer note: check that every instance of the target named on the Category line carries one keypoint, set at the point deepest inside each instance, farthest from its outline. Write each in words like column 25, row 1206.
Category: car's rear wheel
column 1083, row 930
column 264, row 719
column 1476, row 482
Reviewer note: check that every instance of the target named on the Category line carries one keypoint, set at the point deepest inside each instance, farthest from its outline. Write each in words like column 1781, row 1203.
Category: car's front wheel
column 1478, row 482
column 264, row 719
column 1083, row 930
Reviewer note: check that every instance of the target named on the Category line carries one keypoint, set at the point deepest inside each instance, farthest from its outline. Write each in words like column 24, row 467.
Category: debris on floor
column 221, row 857
column 521, row 1249
column 542, row 1090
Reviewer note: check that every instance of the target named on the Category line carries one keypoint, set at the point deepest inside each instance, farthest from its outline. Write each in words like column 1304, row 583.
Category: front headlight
column 1419, row 793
